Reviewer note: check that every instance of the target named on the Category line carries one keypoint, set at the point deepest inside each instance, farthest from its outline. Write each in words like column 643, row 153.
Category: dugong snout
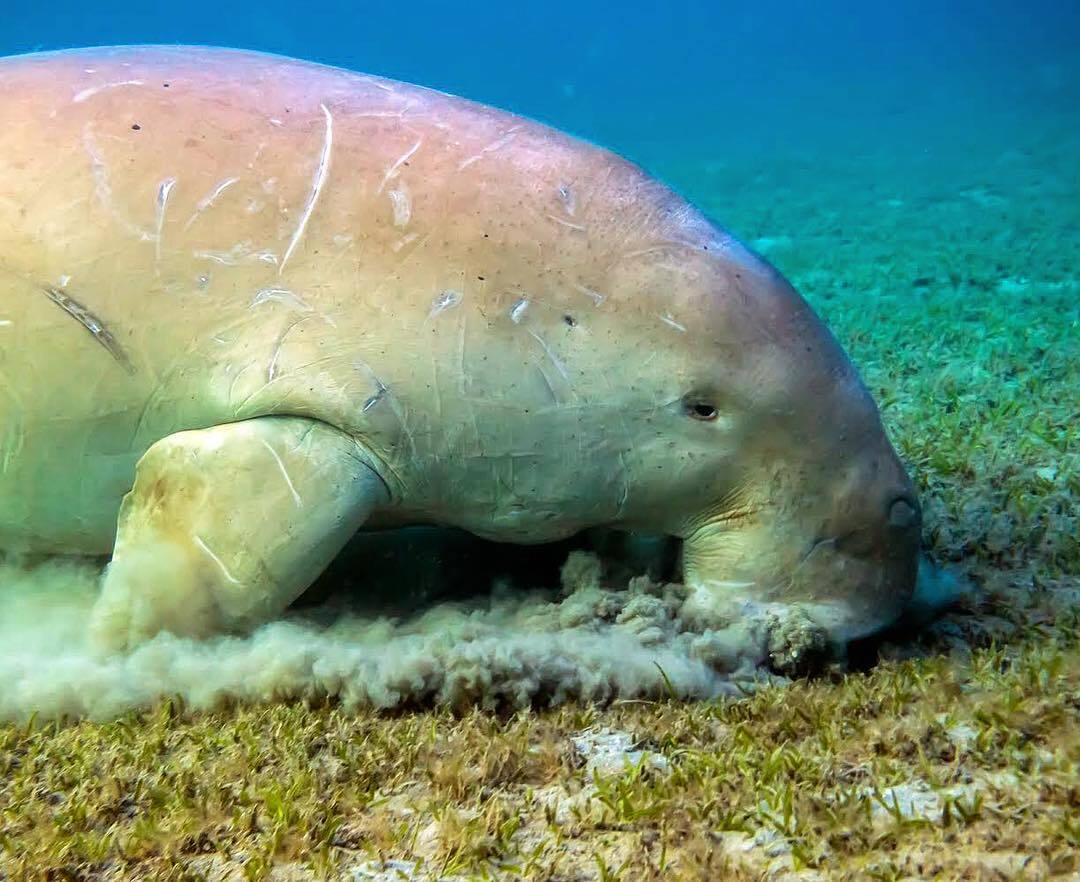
column 837, row 539
column 865, row 568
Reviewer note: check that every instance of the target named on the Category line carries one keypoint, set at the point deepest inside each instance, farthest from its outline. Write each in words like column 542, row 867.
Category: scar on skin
column 595, row 296
column 398, row 163
column 663, row 248
column 446, row 300
column 92, row 323
column 94, row 90
column 284, row 473
column 209, row 200
column 566, row 196
column 379, row 114
column 577, row 227
column 402, row 207
column 376, row 398
column 271, row 368
column 220, row 563
column 321, row 171
column 491, row 148
column 407, row 239
column 559, row 366
column 517, row 311
column 240, row 253
column 279, row 295
column 668, row 320
column 102, row 188
column 162, row 203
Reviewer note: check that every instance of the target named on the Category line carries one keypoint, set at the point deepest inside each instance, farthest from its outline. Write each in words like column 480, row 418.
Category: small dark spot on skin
column 481, row 278
column 704, row 247
column 165, row 85
column 569, row 319
column 135, row 127
column 485, row 235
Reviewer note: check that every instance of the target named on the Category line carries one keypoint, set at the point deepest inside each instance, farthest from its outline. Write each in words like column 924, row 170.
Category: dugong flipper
column 228, row 525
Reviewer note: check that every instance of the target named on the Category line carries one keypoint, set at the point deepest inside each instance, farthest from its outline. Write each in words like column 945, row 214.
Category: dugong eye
column 701, row 410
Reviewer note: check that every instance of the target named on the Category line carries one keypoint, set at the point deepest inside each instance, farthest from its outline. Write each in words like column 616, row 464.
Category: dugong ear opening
column 226, row 526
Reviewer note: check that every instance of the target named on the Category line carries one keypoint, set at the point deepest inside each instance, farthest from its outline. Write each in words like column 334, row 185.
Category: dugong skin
column 514, row 325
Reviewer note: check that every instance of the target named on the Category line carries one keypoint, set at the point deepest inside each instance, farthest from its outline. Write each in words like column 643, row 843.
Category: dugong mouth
column 849, row 587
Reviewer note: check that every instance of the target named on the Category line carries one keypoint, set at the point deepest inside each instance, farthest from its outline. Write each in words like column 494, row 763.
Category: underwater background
column 914, row 168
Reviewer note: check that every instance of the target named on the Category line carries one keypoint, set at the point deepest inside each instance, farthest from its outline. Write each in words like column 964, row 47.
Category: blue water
column 702, row 78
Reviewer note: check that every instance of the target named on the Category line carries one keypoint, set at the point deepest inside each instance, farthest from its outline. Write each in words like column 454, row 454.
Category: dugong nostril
column 902, row 513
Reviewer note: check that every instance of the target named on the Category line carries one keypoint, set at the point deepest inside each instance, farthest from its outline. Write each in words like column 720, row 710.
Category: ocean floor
column 951, row 274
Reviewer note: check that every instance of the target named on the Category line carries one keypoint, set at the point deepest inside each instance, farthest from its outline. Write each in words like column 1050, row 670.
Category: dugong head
column 764, row 451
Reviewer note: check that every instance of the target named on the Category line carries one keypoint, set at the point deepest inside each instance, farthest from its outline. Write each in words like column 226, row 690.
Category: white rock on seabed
column 916, row 800
column 396, row 871
column 766, row 852
column 609, row 752
column 605, row 752
column 962, row 735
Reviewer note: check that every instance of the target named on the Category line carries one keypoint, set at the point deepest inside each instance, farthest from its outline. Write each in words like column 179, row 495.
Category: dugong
column 250, row 305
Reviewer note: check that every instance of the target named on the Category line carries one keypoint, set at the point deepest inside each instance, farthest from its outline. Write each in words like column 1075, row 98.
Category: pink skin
column 525, row 334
